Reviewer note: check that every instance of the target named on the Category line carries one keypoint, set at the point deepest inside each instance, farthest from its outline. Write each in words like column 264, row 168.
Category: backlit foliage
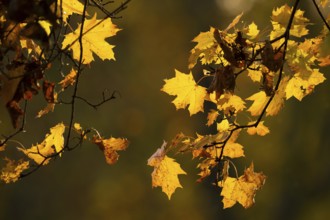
column 285, row 62
column 281, row 61
column 38, row 37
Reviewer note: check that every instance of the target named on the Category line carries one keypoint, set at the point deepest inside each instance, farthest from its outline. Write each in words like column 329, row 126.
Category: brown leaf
column 48, row 90
column 110, row 147
column 15, row 112
column 223, row 81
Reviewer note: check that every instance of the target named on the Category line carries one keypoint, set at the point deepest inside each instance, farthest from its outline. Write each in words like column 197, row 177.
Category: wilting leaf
column 110, row 147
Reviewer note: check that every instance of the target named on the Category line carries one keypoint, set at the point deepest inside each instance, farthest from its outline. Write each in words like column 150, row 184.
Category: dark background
column 155, row 40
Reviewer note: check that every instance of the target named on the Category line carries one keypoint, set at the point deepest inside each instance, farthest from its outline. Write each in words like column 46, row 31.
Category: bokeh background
column 155, row 40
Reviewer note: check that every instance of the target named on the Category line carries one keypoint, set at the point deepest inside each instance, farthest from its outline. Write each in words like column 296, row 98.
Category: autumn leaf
column 253, row 31
column 110, row 147
column 53, row 143
column 230, row 103
column 242, row 189
column 206, row 49
column 187, row 91
column 234, row 22
column 261, row 129
column 69, row 79
column 211, row 117
column 94, row 35
column 166, row 171
column 223, row 125
column 303, row 83
column 232, row 148
column 13, row 169
column 69, row 7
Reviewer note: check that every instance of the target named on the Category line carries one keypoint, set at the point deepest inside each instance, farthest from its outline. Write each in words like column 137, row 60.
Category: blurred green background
column 156, row 39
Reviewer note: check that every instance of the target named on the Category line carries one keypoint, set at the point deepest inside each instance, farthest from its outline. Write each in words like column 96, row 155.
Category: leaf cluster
column 285, row 62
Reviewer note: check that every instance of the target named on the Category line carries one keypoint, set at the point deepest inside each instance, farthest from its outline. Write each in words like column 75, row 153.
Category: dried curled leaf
column 13, row 169
column 110, row 147
column 242, row 189
column 166, row 171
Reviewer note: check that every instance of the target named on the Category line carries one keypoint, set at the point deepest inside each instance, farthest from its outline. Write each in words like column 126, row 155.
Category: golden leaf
column 230, row 103
column 252, row 31
column 13, row 169
column 69, row 7
column 242, row 189
column 234, row 22
column 223, row 125
column 69, row 79
column 166, row 171
column 94, row 34
column 211, row 117
column 261, row 129
column 187, row 91
column 53, row 143
column 303, row 83
column 233, row 149
column 110, row 147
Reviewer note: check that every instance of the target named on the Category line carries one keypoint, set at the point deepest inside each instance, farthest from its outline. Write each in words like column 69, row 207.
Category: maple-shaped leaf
column 187, row 91
column 69, row 79
column 230, row 103
column 110, row 147
column 166, row 171
column 261, row 129
column 223, row 125
column 13, row 169
column 69, row 7
column 242, row 189
column 252, row 31
column 303, row 83
column 94, row 34
column 206, row 49
column 232, row 148
column 53, row 143
column 280, row 19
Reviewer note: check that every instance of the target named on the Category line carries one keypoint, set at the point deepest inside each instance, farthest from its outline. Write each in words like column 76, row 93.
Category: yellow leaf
column 110, row 147
column 53, row 143
column 259, row 101
column 69, row 7
column 223, row 125
column 261, row 129
column 303, row 83
column 233, row 149
column 69, row 79
column 166, row 171
column 252, row 31
column 242, row 189
column 255, row 75
column 280, row 19
column 12, row 171
column 211, row 117
column 93, row 40
column 234, row 22
column 49, row 108
column 206, row 49
column 230, row 103
column 187, row 91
